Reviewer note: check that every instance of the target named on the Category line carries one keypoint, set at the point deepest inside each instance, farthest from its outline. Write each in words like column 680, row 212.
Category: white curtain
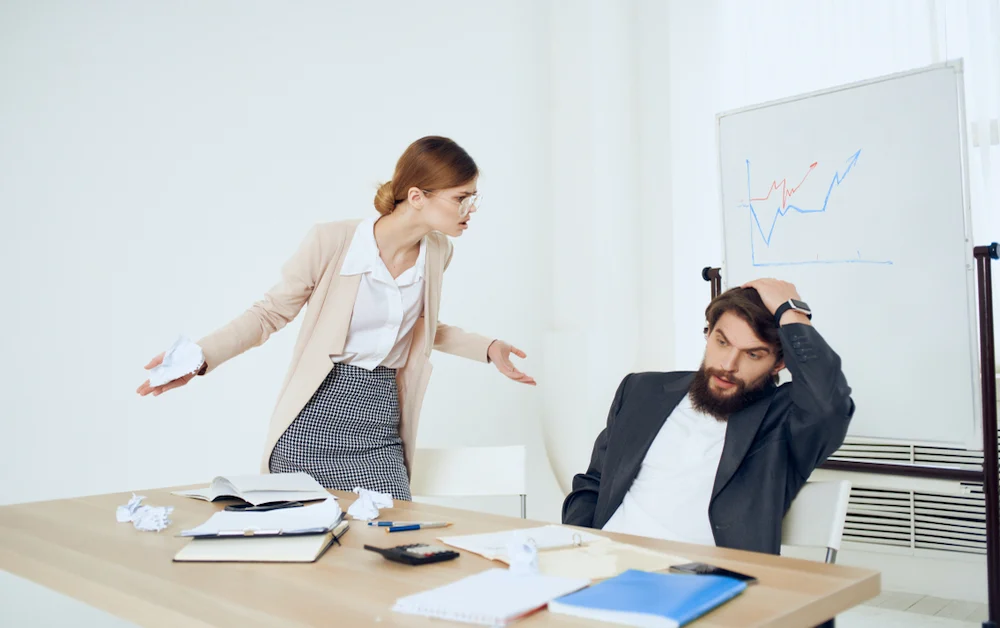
column 593, row 225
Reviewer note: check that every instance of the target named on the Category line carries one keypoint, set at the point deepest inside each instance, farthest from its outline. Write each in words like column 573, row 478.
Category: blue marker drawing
column 785, row 207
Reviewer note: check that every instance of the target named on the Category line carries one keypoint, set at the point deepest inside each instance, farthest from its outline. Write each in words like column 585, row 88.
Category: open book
column 493, row 545
column 261, row 489
column 568, row 553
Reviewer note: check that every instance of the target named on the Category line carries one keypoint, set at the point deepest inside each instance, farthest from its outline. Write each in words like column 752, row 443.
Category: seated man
column 715, row 457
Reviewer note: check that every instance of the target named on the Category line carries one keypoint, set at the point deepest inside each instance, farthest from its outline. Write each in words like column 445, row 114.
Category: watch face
column 800, row 305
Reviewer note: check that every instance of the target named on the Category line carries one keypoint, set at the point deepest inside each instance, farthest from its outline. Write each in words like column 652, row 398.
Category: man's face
column 737, row 366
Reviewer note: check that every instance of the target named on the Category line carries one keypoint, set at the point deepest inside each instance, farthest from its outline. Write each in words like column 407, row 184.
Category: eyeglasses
column 465, row 205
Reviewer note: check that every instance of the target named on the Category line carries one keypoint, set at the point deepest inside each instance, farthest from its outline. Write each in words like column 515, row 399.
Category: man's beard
column 704, row 399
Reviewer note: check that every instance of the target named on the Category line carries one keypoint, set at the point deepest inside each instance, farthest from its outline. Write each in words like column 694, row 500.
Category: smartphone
column 703, row 569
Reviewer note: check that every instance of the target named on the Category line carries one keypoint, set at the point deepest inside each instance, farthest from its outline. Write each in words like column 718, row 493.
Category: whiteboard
column 859, row 196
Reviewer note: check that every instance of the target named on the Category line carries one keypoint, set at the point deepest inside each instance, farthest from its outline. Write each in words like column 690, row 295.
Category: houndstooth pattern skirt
column 348, row 434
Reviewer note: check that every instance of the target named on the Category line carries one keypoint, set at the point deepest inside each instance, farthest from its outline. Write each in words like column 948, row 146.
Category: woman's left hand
column 499, row 353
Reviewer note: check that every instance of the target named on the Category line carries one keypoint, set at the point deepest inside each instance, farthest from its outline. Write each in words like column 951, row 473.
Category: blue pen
column 416, row 526
column 389, row 524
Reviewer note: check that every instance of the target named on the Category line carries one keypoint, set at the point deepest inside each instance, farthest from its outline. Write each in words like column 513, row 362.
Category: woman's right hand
column 146, row 389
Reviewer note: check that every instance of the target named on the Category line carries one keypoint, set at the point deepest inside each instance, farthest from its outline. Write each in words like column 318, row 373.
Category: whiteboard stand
column 989, row 475
column 713, row 275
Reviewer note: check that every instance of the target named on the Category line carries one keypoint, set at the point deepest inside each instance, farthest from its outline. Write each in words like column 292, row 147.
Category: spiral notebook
column 490, row 598
column 301, row 548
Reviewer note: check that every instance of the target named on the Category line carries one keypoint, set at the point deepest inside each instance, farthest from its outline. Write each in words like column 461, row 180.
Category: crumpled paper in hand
column 144, row 518
column 183, row 358
column 366, row 506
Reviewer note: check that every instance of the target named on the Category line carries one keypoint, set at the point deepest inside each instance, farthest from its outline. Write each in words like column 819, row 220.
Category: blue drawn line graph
column 785, row 207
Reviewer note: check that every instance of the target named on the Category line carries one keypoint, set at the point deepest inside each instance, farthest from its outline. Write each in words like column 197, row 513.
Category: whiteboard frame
column 973, row 438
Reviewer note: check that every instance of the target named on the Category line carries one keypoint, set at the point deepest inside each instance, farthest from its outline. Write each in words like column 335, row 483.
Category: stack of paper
column 262, row 489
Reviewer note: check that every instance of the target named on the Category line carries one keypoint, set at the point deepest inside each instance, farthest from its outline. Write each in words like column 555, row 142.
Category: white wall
column 164, row 161
column 593, row 225
column 160, row 162
column 612, row 289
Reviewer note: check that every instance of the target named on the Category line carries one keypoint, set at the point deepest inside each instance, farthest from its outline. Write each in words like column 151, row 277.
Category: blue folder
column 642, row 598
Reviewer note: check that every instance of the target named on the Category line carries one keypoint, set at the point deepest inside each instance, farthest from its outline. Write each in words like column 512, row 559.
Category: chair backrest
column 817, row 517
column 469, row 471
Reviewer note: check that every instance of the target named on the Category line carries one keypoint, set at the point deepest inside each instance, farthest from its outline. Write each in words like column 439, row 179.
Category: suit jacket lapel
column 740, row 433
column 638, row 437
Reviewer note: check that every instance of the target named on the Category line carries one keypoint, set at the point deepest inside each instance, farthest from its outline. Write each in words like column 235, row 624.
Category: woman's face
column 448, row 210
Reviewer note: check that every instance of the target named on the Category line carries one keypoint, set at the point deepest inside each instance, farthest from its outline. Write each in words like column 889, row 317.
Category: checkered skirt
column 348, row 434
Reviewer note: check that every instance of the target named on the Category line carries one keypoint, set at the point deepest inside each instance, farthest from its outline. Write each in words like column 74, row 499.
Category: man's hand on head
column 774, row 292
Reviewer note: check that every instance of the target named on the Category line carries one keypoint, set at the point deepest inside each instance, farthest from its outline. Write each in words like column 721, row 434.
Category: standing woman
column 347, row 413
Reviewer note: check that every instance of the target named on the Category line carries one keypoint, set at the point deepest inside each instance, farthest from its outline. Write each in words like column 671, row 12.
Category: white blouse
column 386, row 309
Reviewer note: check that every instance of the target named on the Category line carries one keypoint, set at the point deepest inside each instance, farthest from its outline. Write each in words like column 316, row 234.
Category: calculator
column 415, row 554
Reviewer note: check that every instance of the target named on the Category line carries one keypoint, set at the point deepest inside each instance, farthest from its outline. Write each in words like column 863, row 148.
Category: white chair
column 470, row 471
column 817, row 517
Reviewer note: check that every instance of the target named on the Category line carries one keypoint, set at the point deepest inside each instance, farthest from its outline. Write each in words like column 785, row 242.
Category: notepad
column 653, row 600
column 309, row 519
column 260, row 489
column 490, row 598
column 304, row 548
column 494, row 545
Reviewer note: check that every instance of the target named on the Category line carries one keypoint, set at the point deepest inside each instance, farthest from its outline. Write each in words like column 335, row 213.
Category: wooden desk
column 75, row 547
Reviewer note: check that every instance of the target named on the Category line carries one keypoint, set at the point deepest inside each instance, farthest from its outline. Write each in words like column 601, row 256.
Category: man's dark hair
column 746, row 303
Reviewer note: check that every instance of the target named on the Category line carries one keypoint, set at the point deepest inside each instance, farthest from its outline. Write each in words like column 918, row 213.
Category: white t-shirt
column 386, row 309
column 669, row 497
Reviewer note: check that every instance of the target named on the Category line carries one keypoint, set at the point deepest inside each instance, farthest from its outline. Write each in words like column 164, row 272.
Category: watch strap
column 784, row 307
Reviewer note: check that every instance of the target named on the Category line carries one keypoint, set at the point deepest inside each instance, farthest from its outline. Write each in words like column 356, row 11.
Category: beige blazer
column 312, row 276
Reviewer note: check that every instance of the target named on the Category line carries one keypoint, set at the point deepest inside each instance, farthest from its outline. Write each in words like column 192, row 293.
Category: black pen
column 262, row 507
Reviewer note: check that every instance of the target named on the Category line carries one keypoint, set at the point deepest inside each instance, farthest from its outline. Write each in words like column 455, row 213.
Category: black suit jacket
column 771, row 447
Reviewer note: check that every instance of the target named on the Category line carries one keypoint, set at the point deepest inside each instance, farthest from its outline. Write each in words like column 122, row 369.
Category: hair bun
column 385, row 200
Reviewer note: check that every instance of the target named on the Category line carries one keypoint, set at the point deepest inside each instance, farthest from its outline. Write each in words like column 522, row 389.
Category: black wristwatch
column 792, row 304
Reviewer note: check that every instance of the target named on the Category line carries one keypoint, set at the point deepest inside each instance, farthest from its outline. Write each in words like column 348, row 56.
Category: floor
column 890, row 610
